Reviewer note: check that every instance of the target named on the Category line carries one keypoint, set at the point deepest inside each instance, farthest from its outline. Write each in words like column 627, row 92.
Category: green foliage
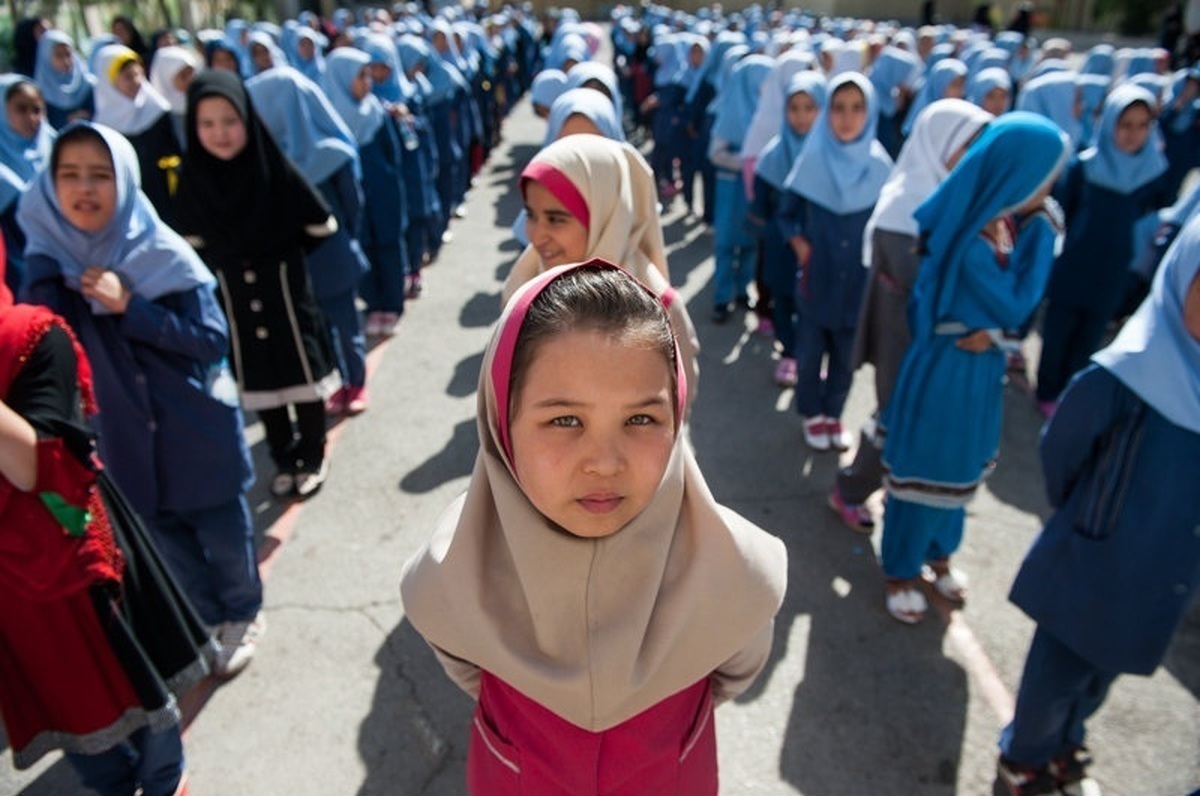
column 1134, row 17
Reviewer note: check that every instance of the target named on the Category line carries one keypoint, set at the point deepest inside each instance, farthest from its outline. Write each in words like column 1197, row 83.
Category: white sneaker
column 238, row 640
column 839, row 438
column 815, row 434
column 308, row 483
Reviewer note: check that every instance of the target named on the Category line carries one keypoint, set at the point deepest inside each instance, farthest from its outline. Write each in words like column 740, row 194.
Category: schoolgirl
column 659, row 601
column 693, row 152
column 970, row 287
column 251, row 216
column 448, row 73
column 547, row 85
column 1112, row 574
column 583, row 110
column 701, row 113
column 25, row 141
column 947, row 79
column 221, row 53
column 1105, row 190
column 735, row 252
column 63, row 78
column 890, row 251
column 145, row 310
column 803, row 101
column 302, row 122
column 587, row 196
column 382, row 233
column 427, row 216
column 126, row 102
column 599, row 77
column 895, row 73
column 829, row 195
column 308, row 53
column 664, row 107
column 992, row 90
column 171, row 74
column 769, row 116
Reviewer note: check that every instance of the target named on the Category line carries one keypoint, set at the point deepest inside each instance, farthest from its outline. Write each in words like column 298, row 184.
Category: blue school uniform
column 892, row 72
column 937, row 80
column 1103, row 194
column 935, row 459
column 1114, row 571
column 64, row 93
column 670, row 60
column 831, row 191
column 21, row 159
column 770, row 186
column 170, row 427
column 701, row 112
column 1180, row 126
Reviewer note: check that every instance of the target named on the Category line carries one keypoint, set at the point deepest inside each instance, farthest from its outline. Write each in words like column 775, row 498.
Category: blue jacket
column 169, row 431
column 832, row 284
column 1114, row 570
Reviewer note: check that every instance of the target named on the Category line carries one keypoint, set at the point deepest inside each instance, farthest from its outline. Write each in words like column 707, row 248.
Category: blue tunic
column 831, row 286
column 1116, row 567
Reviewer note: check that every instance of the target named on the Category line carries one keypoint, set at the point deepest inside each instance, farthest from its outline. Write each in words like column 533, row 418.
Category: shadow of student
column 480, row 311
column 453, row 461
column 414, row 739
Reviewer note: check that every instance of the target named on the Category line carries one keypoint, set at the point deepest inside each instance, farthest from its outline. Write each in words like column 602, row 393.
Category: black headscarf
column 255, row 204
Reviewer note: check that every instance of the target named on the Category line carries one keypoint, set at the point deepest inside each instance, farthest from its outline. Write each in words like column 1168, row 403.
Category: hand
column 802, row 248
column 105, row 287
column 976, row 342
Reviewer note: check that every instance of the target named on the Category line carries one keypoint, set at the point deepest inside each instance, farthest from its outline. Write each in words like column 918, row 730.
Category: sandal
column 947, row 581
column 905, row 602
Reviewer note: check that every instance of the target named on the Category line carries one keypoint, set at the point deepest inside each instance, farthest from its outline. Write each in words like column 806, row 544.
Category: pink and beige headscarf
column 595, row 630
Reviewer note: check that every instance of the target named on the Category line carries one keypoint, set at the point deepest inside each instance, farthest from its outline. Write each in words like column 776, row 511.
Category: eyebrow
column 567, row 403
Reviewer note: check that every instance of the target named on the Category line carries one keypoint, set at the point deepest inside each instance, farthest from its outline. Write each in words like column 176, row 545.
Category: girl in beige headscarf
column 607, row 188
column 587, row 590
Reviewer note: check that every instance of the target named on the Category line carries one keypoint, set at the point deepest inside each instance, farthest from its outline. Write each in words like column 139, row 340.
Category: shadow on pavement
column 453, row 461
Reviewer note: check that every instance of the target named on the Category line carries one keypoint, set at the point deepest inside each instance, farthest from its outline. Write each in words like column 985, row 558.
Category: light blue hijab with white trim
column 1104, row 164
column 20, row 158
column 780, row 154
column 364, row 117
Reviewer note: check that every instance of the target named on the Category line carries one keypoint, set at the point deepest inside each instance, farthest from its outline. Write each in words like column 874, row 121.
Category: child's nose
column 604, row 457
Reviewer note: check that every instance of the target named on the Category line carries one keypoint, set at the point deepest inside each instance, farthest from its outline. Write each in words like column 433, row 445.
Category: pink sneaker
column 839, row 438
column 856, row 516
column 336, row 403
column 357, row 400
column 765, row 327
column 785, row 372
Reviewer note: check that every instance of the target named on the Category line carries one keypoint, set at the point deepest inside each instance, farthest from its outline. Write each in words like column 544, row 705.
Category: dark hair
column 75, row 134
column 593, row 297
column 23, row 82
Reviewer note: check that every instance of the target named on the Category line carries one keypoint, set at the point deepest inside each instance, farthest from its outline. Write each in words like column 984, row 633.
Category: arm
column 464, row 674
column 1084, row 414
column 790, row 217
column 18, row 449
column 736, row 674
column 190, row 324
column 722, row 156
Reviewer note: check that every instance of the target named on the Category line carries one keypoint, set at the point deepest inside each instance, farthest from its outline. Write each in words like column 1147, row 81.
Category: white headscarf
column 114, row 109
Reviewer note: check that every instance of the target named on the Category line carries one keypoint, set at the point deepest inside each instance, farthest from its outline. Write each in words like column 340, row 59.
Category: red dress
column 519, row 747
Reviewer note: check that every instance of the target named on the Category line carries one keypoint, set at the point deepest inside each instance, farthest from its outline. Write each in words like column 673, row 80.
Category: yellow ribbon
column 170, row 164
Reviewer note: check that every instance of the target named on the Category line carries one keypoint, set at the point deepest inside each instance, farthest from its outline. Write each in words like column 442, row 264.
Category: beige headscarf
column 595, row 630
column 617, row 186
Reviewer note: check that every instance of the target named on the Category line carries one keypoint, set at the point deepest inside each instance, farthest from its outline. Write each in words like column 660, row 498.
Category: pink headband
column 507, row 345
column 558, row 184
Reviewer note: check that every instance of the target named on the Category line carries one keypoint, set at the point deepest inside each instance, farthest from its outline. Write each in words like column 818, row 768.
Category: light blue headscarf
column 893, row 68
column 780, row 154
column 990, row 58
column 670, row 61
column 937, row 80
column 1106, row 165
column 1154, row 355
column 987, row 80
column 737, row 97
column 710, row 70
column 1100, row 60
column 314, row 67
column 1053, row 96
column 150, row 257
column 303, row 123
column 62, row 90
column 594, row 70
column 364, row 117
column 842, row 177
column 20, row 158
column 590, row 103
column 547, row 86
column 264, row 39
column 1014, row 157
column 380, row 49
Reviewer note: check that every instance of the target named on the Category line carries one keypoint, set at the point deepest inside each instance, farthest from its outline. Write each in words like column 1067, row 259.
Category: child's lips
column 601, row 503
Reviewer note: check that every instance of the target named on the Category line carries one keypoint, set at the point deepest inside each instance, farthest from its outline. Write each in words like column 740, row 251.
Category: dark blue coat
column 831, row 285
column 1114, row 570
column 168, row 442
column 384, row 216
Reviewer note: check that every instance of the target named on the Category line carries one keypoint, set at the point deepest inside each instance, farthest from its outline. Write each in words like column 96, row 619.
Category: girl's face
column 223, row 59
column 955, row 89
column 86, row 184
column 261, row 57
column 1191, row 308
column 696, row 56
column 183, row 79
column 1133, row 128
column 995, row 101
column 360, row 86
column 801, row 112
column 379, row 73
column 129, row 79
column 61, row 58
column 847, row 112
column 558, row 236
column 220, row 128
column 25, row 110
column 577, row 124
column 592, row 430
column 439, row 42
column 305, row 49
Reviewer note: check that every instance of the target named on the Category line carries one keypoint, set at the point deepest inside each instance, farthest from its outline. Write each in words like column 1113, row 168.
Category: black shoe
column 1022, row 780
column 721, row 313
column 744, row 302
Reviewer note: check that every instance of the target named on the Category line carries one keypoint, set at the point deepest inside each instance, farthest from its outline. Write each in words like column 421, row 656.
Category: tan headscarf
column 617, row 186
column 595, row 630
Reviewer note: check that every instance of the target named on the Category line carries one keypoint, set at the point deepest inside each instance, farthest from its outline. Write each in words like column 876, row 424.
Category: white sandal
column 951, row 583
column 908, row 605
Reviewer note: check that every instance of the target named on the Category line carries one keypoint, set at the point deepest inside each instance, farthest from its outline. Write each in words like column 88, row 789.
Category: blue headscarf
column 547, row 86
column 892, row 69
column 20, row 158
column 937, row 80
column 264, row 40
column 781, row 152
column 986, row 81
column 313, row 67
column 380, row 49
column 1014, row 158
column 693, row 74
column 67, row 90
column 1100, row 60
column 670, row 61
column 1053, row 96
column 590, row 103
column 364, row 117
column 737, row 97
column 224, row 45
column 842, row 177
column 303, row 123
column 445, row 80
column 602, row 73
column 151, row 258
column 711, row 68
column 1106, row 165
column 990, row 58
column 1154, row 355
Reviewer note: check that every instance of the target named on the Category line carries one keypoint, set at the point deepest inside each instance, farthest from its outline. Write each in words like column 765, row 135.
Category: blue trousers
column 1059, row 692
column 346, row 332
column 382, row 288
column 734, row 246
column 914, row 533
column 1070, row 336
column 151, row 760
column 211, row 553
column 814, row 395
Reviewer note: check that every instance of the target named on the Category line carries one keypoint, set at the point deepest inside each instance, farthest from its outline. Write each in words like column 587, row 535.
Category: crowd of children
column 916, row 199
